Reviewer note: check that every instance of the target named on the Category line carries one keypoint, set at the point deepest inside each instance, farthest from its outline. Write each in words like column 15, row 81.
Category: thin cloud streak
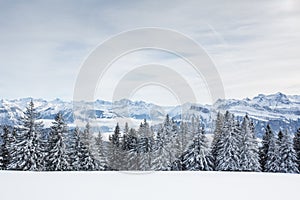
column 255, row 44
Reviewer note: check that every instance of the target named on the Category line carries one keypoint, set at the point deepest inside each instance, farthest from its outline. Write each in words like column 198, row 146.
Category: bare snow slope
column 137, row 186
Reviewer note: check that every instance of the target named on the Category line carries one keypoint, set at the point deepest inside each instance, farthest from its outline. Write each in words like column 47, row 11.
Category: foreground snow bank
column 143, row 186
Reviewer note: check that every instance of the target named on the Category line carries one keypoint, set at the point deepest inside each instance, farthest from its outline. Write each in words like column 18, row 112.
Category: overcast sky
column 255, row 45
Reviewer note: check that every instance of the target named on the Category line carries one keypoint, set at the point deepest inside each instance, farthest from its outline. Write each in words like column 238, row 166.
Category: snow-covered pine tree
column 169, row 134
column 116, row 136
column 85, row 136
column 252, row 127
column 197, row 157
column 13, row 150
column 297, row 146
column 162, row 156
column 17, row 151
column 126, row 128
column 167, row 129
column 42, row 151
column 79, row 156
column 181, row 145
column 217, row 134
column 4, row 149
column 280, row 136
column 100, row 152
column 114, row 148
column 191, row 129
column 25, row 154
column 288, row 157
column 133, row 162
column 228, row 154
column 125, row 147
column 182, row 136
column 143, row 154
column 57, row 158
column 272, row 163
column 88, row 139
column 249, row 155
column 86, row 159
column 263, row 150
column 145, row 145
column 125, row 138
column 175, row 142
column 73, row 150
column 33, row 130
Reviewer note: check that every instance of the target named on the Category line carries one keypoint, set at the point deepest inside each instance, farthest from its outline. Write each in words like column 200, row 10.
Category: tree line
column 176, row 146
column 33, row 148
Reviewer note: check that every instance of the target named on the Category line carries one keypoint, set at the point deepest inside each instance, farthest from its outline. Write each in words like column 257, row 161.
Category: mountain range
column 280, row 110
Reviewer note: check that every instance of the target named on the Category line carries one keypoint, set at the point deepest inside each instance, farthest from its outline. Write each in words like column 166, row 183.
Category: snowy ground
column 144, row 186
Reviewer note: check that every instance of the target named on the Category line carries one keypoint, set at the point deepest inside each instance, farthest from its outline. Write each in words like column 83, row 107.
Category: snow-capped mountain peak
column 280, row 110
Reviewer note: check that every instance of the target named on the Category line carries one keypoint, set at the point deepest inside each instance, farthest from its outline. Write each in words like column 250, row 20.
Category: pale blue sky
column 254, row 44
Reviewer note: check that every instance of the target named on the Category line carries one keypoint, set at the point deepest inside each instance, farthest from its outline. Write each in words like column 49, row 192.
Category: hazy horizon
column 137, row 100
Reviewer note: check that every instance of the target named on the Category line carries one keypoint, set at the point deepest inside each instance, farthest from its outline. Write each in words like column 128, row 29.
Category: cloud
column 255, row 44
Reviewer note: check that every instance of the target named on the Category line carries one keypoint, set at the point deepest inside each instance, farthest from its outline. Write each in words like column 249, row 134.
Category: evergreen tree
column 249, row 156
column 125, row 147
column 175, row 145
column 191, row 129
column 162, row 156
column 4, row 149
column 228, row 155
column 288, row 157
column 145, row 146
column 272, row 157
column 252, row 127
column 280, row 136
column 165, row 152
column 86, row 159
column 167, row 129
column 33, row 131
column 100, row 152
column 217, row 134
column 263, row 151
column 297, row 146
column 114, row 156
column 125, row 140
column 126, row 128
column 88, row 139
column 183, row 140
column 177, row 165
column 19, row 151
column 25, row 154
column 133, row 155
column 115, row 138
column 181, row 143
column 42, row 152
column 13, row 147
column 79, row 156
column 57, row 158
column 197, row 157
column 74, row 150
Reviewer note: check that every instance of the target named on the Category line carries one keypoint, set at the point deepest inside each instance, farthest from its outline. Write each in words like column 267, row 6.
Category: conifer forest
column 170, row 146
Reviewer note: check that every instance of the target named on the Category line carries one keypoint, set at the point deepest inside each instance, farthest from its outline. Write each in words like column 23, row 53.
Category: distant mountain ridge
column 280, row 110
